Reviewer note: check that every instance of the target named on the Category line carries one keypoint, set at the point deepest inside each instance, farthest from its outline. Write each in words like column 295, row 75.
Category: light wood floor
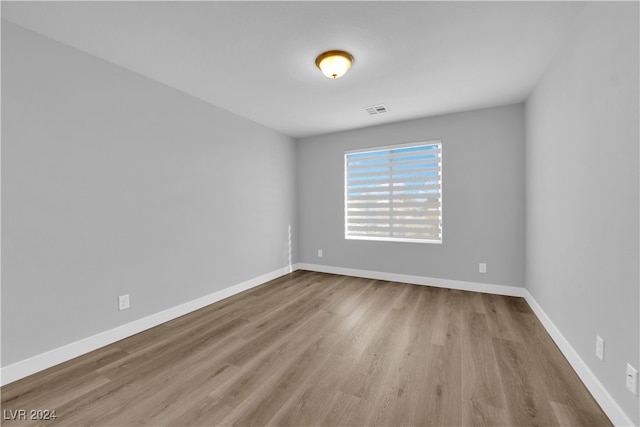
column 320, row 349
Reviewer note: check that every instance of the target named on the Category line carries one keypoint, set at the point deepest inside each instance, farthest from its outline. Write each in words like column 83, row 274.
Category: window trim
column 438, row 142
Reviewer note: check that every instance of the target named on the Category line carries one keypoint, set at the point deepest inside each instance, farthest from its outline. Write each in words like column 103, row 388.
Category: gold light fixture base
column 334, row 63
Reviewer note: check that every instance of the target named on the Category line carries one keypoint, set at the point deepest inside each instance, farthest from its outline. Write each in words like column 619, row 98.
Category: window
column 394, row 193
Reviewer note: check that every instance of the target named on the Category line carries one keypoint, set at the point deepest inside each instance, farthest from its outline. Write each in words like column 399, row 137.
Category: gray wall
column 113, row 184
column 582, row 193
column 483, row 199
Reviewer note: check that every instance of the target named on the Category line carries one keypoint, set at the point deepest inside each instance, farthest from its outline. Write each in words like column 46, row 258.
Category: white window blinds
column 394, row 193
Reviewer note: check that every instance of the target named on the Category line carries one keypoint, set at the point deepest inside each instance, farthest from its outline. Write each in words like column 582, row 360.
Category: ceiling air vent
column 376, row 109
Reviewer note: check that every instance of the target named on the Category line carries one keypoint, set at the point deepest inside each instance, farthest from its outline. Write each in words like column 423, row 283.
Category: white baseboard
column 419, row 280
column 24, row 368
column 610, row 407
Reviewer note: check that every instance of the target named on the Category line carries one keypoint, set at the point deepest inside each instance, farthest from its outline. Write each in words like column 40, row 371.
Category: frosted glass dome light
column 334, row 63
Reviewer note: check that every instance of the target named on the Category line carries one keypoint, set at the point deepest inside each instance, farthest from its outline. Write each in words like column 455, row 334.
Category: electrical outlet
column 319, row 253
column 123, row 302
column 482, row 267
column 599, row 348
column 632, row 379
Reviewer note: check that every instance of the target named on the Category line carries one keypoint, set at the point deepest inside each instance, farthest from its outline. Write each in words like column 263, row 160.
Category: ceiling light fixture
column 334, row 63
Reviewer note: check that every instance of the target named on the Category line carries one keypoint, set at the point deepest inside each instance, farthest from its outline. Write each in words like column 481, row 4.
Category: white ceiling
column 256, row 59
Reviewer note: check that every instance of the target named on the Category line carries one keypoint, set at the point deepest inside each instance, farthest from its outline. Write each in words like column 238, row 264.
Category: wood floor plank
column 446, row 311
column 472, row 301
column 365, row 321
column 444, row 376
column 395, row 401
column 483, row 397
column 527, row 402
column 193, row 406
column 570, row 416
column 276, row 324
column 313, row 402
column 261, row 411
column 203, row 412
column 262, row 371
column 498, row 311
column 341, row 410
column 407, row 406
column 320, row 349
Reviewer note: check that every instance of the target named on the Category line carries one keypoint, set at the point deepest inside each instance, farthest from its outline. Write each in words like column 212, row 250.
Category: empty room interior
column 320, row 213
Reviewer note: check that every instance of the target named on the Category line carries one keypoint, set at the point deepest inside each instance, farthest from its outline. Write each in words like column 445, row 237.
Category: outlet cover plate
column 632, row 379
column 599, row 347
column 123, row 302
